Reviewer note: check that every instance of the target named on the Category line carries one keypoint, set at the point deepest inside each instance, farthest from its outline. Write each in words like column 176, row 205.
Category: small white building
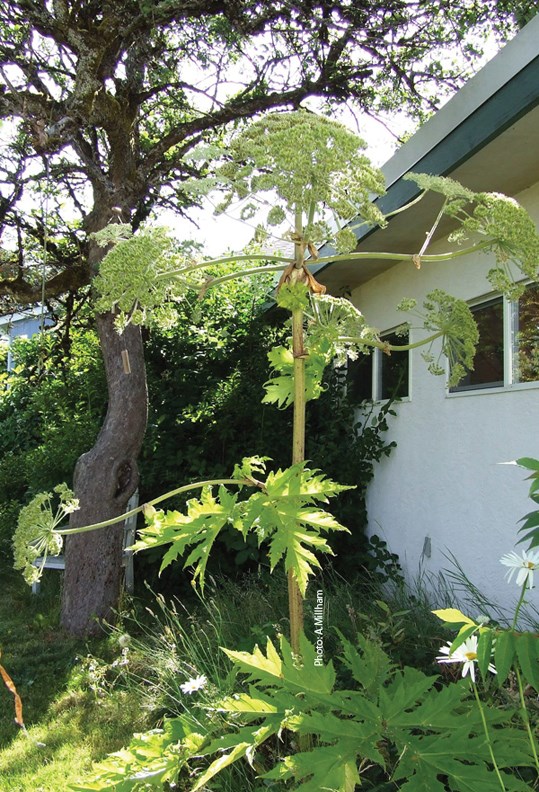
column 443, row 490
column 21, row 325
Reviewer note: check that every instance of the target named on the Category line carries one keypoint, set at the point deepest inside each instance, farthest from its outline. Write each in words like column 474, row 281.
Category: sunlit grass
column 69, row 725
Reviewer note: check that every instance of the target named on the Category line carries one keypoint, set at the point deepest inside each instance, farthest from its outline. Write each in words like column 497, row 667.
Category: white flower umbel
column 466, row 654
column 524, row 564
column 192, row 685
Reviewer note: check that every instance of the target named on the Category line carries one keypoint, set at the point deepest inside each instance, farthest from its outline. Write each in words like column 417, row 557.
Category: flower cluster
column 134, row 278
column 340, row 324
column 507, row 229
column 36, row 536
column 310, row 164
column 453, row 320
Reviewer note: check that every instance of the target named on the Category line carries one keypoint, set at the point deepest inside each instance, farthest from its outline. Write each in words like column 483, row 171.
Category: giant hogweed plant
column 313, row 171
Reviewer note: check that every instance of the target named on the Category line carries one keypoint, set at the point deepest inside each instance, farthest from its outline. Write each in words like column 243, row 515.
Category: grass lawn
column 69, row 724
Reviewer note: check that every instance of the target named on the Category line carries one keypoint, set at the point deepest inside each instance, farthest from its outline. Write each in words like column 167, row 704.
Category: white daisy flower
column 526, row 564
column 466, row 654
column 192, row 685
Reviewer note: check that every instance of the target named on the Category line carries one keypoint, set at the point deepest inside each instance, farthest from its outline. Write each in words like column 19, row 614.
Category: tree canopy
column 100, row 101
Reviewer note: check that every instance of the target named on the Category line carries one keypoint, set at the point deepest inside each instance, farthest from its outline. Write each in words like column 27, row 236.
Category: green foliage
column 208, row 412
column 280, row 388
column 285, row 514
column 51, row 408
column 390, row 724
column 152, row 758
column 530, row 522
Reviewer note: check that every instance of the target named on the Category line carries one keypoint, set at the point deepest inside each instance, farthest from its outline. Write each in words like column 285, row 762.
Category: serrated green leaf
column 404, row 691
column 285, row 516
column 424, row 780
column 527, row 650
column 241, row 742
column 197, row 529
column 370, row 666
column 504, row 653
column 151, row 758
column 530, row 520
column 442, row 710
column 325, row 767
column 462, row 758
column 286, row 671
column 280, row 388
column 329, row 728
column 267, row 668
column 252, row 705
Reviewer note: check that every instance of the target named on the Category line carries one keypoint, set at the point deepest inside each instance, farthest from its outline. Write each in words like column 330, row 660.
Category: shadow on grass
column 69, row 724
column 36, row 654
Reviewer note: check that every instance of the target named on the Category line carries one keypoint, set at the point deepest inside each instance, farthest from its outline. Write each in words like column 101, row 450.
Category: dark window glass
column 394, row 368
column 359, row 378
column 488, row 362
column 526, row 336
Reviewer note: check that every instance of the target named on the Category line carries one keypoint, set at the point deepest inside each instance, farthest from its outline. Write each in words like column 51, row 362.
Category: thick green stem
column 295, row 599
column 363, row 256
column 171, row 494
column 225, row 260
column 391, row 347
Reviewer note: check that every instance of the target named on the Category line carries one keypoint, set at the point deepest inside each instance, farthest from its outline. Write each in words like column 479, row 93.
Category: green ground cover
column 69, row 724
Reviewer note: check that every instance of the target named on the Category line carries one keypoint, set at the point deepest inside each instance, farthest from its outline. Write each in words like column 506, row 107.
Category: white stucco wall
column 443, row 481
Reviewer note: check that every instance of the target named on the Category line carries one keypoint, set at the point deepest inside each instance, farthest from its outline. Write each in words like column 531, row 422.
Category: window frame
column 509, row 330
column 377, row 383
column 376, row 371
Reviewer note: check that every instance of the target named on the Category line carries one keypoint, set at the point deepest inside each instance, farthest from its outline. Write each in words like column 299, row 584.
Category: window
column 359, row 378
column 525, row 334
column 393, row 369
column 488, row 361
column 380, row 375
column 508, row 349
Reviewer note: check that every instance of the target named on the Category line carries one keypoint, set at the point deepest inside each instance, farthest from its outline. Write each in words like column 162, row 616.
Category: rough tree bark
column 105, row 478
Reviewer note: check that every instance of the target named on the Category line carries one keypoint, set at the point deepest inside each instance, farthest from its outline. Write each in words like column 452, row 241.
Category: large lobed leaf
column 283, row 511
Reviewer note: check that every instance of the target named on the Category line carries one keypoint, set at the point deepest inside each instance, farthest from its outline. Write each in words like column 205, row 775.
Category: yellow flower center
column 529, row 565
column 470, row 655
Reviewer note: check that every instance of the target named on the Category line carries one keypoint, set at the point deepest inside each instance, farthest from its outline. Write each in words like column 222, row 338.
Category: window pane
column 488, row 360
column 394, row 369
column 526, row 337
column 359, row 378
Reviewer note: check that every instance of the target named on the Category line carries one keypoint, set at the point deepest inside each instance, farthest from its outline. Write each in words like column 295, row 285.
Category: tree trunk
column 105, row 477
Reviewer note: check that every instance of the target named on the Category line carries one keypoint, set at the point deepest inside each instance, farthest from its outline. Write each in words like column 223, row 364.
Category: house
column 21, row 325
column 443, row 490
